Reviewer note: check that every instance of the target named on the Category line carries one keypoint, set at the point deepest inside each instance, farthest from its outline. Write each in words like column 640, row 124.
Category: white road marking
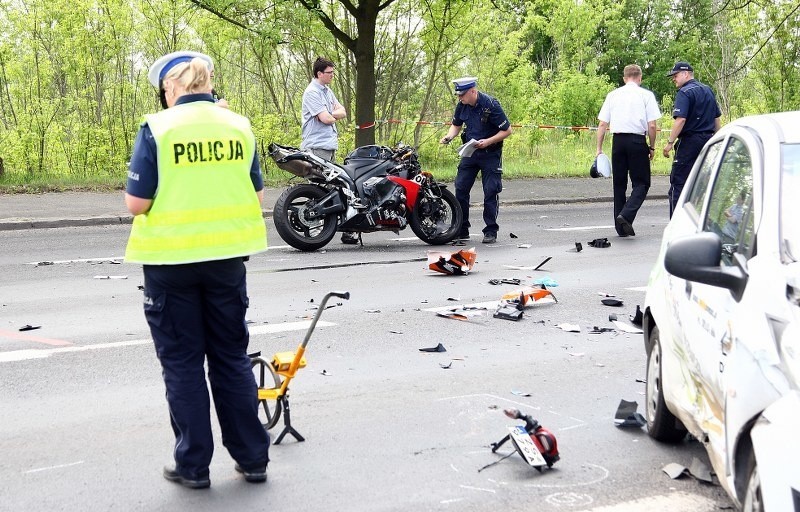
column 675, row 502
column 478, row 489
column 24, row 355
column 48, row 468
column 579, row 228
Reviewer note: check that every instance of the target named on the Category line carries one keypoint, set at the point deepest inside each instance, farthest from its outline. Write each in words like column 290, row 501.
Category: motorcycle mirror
column 512, row 413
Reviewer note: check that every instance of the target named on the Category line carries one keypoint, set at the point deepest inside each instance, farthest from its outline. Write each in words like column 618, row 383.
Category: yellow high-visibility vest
column 205, row 207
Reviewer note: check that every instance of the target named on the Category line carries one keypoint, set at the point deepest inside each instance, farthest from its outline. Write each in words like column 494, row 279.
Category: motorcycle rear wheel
column 436, row 218
column 293, row 224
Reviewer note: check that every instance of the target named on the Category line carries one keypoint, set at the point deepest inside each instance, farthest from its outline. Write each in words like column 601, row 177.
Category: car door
column 705, row 311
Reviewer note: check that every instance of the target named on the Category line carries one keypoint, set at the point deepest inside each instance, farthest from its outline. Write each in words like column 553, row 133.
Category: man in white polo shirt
column 631, row 112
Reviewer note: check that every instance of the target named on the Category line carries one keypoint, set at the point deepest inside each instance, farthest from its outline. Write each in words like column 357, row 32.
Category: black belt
column 629, row 134
column 696, row 134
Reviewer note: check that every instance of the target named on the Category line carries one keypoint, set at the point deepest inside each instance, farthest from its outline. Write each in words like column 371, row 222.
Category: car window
column 790, row 204
column 697, row 195
column 731, row 197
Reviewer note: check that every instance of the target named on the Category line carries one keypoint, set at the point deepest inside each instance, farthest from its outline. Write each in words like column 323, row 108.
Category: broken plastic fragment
column 437, row 348
column 458, row 263
column 546, row 281
column 524, row 246
column 697, row 469
column 520, row 393
column 445, row 366
column 528, row 293
column 636, row 319
column 600, row 330
column 569, row 327
column 600, row 243
column 612, row 302
column 504, row 281
column 578, row 247
column 540, row 265
column 509, row 311
column 29, row 327
column 627, row 416
column 512, row 235
column 622, row 326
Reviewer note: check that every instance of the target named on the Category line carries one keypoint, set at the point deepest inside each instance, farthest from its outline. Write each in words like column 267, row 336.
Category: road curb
column 23, row 224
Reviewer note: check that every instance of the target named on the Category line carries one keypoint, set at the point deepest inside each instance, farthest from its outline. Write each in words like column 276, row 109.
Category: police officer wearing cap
column 487, row 124
column 630, row 112
column 195, row 188
column 696, row 115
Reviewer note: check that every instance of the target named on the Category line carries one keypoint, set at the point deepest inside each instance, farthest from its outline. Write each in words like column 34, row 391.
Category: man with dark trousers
column 487, row 125
column 696, row 115
column 630, row 113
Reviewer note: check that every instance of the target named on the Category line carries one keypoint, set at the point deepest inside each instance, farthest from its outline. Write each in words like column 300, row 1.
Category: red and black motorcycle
column 376, row 189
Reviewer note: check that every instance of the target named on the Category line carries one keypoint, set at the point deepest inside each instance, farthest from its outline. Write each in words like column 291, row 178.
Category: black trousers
column 490, row 165
column 630, row 158
column 686, row 152
column 196, row 312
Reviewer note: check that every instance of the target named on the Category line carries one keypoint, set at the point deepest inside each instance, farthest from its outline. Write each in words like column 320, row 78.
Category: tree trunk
column 365, row 74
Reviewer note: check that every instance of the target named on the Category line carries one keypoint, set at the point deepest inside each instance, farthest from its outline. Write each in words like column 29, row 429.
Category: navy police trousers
column 489, row 163
column 196, row 312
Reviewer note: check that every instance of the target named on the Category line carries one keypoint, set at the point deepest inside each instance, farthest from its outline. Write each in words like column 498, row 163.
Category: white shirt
column 629, row 108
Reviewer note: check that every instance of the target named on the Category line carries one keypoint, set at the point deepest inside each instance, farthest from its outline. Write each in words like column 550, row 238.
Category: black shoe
column 254, row 477
column 489, row 238
column 350, row 238
column 625, row 226
column 171, row 474
column 464, row 235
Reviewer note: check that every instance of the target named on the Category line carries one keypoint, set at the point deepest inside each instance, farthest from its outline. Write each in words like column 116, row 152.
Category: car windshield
column 790, row 206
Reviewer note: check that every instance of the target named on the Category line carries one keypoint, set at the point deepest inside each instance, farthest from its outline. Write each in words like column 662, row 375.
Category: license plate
column 525, row 446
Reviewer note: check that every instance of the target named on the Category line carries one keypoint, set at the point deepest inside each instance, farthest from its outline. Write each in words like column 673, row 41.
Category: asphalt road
column 85, row 424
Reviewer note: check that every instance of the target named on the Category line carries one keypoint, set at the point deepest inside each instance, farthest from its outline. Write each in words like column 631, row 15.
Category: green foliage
column 73, row 85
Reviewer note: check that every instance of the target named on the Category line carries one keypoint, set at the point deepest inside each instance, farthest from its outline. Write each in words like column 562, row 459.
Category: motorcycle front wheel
column 436, row 218
column 293, row 222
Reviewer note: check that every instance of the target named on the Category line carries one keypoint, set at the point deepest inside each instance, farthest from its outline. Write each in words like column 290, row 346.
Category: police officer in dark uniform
column 486, row 125
column 195, row 188
column 696, row 115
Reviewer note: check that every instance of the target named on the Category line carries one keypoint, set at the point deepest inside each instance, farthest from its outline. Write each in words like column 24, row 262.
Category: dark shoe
column 464, row 235
column 171, row 474
column 625, row 226
column 254, row 477
column 489, row 238
column 350, row 238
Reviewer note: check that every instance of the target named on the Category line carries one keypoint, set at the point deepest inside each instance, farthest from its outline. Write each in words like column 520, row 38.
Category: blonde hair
column 632, row 71
column 193, row 76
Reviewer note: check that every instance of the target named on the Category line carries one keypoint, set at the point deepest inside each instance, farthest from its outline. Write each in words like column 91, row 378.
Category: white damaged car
column 722, row 313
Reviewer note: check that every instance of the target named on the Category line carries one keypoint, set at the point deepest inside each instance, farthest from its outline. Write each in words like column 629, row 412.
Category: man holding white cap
column 487, row 124
column 630, row 112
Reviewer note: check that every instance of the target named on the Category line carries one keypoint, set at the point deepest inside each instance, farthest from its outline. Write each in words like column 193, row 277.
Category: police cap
column 162, row 66
column 680, row 66
column 462, row 85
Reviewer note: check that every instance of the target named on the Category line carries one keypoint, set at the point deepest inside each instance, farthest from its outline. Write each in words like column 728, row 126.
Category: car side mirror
column 697, row 258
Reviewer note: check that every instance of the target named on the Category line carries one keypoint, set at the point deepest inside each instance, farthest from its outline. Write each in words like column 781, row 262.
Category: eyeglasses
column 327, row 72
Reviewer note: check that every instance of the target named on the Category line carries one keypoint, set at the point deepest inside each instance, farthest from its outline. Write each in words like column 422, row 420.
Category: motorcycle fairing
column 412, row 188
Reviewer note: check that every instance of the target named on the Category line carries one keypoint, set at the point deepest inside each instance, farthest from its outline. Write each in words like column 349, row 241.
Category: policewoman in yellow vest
column 195, row 188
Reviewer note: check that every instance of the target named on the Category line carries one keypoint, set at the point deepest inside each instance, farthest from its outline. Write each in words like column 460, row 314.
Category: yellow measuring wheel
column 273, row 378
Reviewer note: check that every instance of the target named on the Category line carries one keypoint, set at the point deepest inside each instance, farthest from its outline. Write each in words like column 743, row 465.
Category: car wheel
column 752, row 496
column 662, row 425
